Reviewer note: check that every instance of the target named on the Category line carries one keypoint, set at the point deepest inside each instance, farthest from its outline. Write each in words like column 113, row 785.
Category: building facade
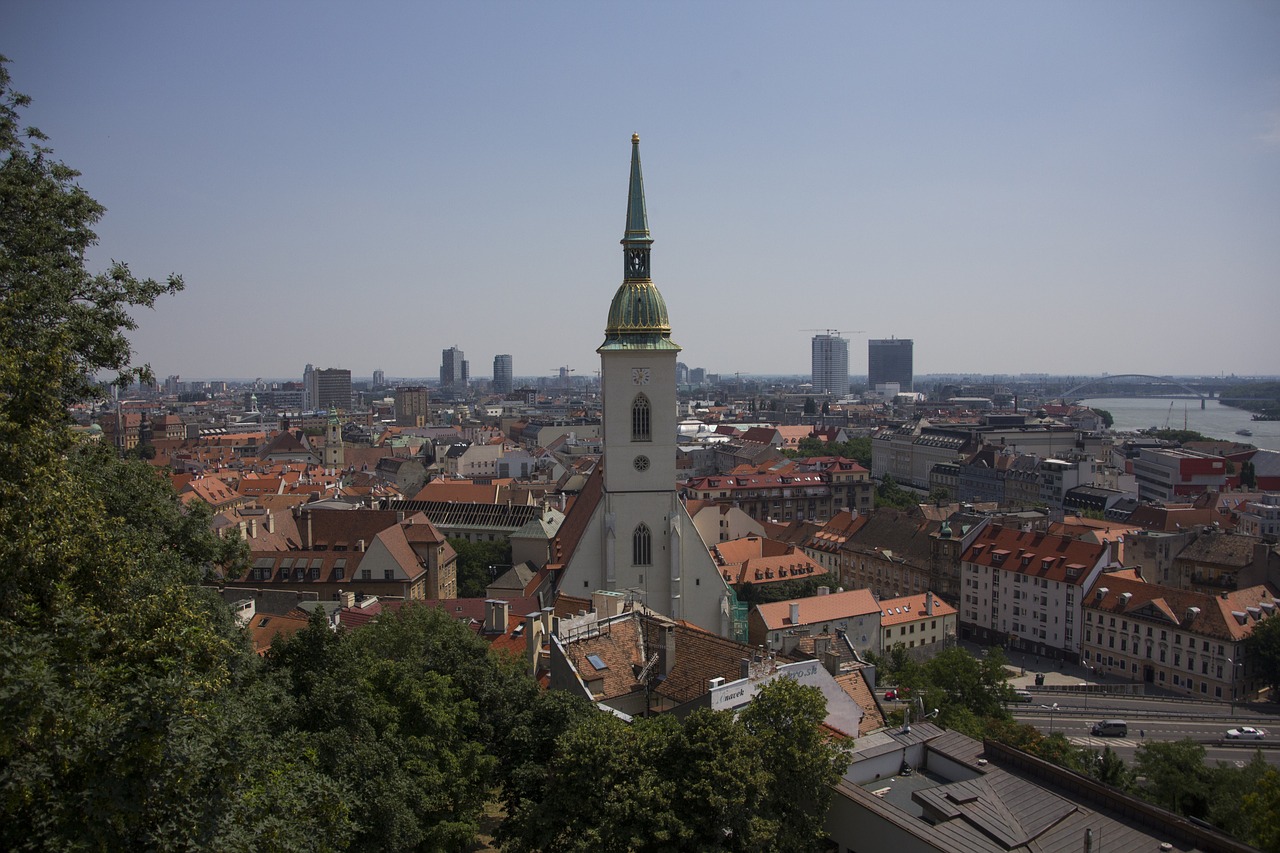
column 1166, row 474
column 333, row 388
column 1176, row 639
column 890, row 360
column 502, row 374
column 455, row 370
column 1025, row 589
column 413, row 406
column 830, row 365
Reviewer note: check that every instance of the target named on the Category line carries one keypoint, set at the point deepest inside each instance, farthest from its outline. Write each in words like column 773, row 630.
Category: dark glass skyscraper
column 890, row 360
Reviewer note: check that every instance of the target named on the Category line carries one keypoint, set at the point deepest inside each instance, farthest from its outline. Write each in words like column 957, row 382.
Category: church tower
column 640, row 539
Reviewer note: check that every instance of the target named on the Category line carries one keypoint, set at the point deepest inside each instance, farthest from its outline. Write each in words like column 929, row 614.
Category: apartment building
column 1025, row 589
column 1176, row 639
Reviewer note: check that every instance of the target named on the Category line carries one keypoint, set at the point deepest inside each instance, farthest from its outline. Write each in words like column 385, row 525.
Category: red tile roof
column 819, row 608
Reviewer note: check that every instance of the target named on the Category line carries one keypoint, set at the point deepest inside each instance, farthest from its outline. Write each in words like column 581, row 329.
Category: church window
column 641, row 546
column 640, row 419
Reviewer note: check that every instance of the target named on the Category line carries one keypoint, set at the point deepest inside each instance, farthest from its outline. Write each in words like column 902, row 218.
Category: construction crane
column 837, row 332
column 1169, row 414
column 564, row 371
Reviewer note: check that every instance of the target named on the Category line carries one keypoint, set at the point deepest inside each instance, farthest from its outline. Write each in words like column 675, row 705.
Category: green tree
column 129, row 699
column 785, row 722
column 810, row 406
column 1108, row 419
column 890, row 494
column 474, row 562
column 1248, row 476
column 1262, row 647
column 760, row 781
column 1176, row 776
column 1229, row 787
column 1261, row 808
column 939, row 495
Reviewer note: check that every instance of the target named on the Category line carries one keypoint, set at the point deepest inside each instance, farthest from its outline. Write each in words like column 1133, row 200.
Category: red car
column 895, row 693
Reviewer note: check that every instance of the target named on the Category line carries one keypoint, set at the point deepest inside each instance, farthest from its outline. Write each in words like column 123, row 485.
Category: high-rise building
column 639, row 540
column 379, row 379
column 890, row 360
column 830, row 365
column 413, row 406
column 333, row 388
column 309, row 388
column 502, row 374
column 455, row 370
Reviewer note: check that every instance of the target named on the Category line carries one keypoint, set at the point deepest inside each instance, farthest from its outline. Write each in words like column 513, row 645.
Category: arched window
column 640, row 418
column 641, row 548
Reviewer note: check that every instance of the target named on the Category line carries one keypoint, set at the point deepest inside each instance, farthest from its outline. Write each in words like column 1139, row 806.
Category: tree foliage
column 474, row 562
column 761, row 781
column 1262, row 647
column 890, row 494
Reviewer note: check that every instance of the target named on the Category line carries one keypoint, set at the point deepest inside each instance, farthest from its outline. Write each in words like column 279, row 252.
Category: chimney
column 271, row 522
column 831, row 662
column 928, row 604
column 820, row 645
column 348, row 598
column 795, row 613
column 533, row 634
column 253, row 528
column 824, row 590
column 668, row 649
column 306, row 537
column 360, row 545
column 495, row 616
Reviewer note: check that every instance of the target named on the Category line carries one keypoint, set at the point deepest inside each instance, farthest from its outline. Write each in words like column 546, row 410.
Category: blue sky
column 1020, row 187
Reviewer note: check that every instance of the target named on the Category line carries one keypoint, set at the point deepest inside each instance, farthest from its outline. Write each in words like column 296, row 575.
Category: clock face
column 641, row 375
column 641, row 463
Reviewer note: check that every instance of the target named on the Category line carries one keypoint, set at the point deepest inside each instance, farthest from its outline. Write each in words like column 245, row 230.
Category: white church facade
column 640, row 539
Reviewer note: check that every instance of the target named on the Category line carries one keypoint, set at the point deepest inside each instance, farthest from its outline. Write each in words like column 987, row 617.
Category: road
column 1152, row 719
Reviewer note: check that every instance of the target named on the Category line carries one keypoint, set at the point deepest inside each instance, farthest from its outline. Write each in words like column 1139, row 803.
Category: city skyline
column 1056, row 173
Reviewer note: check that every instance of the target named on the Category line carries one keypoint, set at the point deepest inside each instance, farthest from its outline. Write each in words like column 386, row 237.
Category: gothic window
column 641, row 545
column 640, row 418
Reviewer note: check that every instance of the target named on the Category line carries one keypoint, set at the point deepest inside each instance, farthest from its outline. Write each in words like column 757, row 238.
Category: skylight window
column 595, row 661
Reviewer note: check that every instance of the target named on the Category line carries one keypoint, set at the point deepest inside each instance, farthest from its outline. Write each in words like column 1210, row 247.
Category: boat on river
column 1244, row 432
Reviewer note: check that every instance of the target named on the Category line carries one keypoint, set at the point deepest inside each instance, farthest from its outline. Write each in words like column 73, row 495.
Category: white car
column 1245, row 733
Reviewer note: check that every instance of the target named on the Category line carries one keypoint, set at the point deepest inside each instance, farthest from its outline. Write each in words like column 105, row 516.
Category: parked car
column 1245, row 733
column 1110, row 728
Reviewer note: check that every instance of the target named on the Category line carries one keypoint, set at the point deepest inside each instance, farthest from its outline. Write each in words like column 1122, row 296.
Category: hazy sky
column 1019, row 186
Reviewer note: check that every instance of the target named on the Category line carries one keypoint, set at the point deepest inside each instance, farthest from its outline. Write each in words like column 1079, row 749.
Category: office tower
column 682, row 373
column 455, row 370
column 413, row 406
column 698, row 376
column 830, row 365
column 502, row 374
column 379, row 379
column 308, row 388
column 889, row 360
column 333, row 388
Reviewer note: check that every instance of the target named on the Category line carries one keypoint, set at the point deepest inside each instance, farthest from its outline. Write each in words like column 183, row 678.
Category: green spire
column 637, row 217
column 638, row 314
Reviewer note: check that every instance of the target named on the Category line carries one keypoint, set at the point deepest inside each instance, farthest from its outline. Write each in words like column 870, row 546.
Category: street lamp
column 1052, row 709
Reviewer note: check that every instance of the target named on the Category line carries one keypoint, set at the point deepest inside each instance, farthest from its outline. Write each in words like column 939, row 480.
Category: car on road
column 1110, row 728
column 898, row 694
column 1023, row 696
column 1245, row 733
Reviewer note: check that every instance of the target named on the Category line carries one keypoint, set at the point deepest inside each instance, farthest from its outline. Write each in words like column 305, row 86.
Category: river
column 1215, row 420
